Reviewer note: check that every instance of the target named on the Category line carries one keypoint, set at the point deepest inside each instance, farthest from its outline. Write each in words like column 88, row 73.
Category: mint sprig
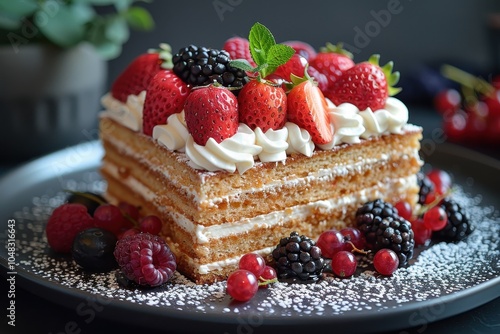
column 265, row 52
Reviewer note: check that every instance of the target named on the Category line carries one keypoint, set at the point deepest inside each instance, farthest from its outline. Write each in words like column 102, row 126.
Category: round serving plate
column 444, row 280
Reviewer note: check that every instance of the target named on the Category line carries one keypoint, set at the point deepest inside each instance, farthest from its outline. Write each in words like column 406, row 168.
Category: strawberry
column 302, row 48
column 297, row 66
column 166, row 95
column 366, row 85
column 262, row 105
column 332, row 61
column 239, row 48
column 136, row 77
column 308, row 109
column 211, row 112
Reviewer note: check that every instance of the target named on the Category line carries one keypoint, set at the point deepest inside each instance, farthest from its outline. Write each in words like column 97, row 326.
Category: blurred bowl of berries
column 471, row 113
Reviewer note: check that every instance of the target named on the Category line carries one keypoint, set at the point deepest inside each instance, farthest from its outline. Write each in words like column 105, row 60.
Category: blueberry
column 93, row 250
column 85, row 199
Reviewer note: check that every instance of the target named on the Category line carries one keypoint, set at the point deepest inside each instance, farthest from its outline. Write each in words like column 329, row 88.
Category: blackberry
column 200, row 66
column 426, row 187
column 384, row 228
column 298, row 257
column 458, row 226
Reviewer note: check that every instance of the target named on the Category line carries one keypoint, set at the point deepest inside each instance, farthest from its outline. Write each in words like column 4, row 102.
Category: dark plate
column 460, row 278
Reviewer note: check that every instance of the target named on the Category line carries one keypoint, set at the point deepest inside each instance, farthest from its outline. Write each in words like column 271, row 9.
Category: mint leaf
column 242, row 64
column 278, row 55
column 261, row 40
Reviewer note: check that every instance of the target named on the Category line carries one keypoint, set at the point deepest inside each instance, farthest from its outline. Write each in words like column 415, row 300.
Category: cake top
column 255, row 100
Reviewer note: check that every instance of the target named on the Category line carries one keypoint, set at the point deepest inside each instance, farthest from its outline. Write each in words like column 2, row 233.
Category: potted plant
column 53, row 69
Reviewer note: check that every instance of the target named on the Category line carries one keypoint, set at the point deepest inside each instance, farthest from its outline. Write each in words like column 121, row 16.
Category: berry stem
column 424, row 208
column 263, row 281
column 466, row 79
column 357, row 250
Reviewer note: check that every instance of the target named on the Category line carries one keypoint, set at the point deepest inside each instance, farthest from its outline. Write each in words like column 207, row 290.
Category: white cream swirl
column 174, row 134
column 128, row 114
column 235, row 153
column 347, row 124
column 299, row 140
column 273, row 143
column 391, row 119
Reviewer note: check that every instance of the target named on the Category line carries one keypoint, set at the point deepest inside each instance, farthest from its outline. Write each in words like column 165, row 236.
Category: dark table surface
column 38, row 315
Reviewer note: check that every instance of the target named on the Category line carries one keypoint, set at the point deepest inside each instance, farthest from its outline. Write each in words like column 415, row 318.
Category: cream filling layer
column 319, row 174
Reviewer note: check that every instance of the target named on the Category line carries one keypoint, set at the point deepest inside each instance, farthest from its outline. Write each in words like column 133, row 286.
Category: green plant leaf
column 10, row 22
column 18, row 8
column 242, row 64
column 279, row 54
column 108, row 50
column 116, row 29
column 66, row 26
column 139, row 18
column 261, row 40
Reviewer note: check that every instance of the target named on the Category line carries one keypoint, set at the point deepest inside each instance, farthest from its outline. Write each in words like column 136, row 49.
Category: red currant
column 130, row 210
column 253, row 263
column 421, row 233
column 267, row 275
column 454, row 125
column 110, row 218
column 441, row 179
column 493, row 102
column 385, row 261
column 344, row 264
column 242, row 285
column 447, row 100
column 150, row 224
column 330, row 242
column 353, row 235
column 404, row 209
column 435, row 218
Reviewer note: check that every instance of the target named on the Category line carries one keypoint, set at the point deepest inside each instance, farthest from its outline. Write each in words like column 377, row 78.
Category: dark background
column 416, row 34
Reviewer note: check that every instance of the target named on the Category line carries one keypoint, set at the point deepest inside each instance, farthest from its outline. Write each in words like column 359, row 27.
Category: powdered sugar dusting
column 438, row 270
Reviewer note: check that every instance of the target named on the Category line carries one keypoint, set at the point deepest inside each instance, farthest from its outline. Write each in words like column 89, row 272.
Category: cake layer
column 212, row 218
column 208, row 198
column 217, row 248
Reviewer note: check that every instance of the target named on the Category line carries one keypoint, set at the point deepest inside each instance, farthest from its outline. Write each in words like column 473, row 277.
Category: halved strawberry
column 332, row 61
column 166, row 95
column 366, row 85
column 211, row 112
column 308, row 109
column 262, row 105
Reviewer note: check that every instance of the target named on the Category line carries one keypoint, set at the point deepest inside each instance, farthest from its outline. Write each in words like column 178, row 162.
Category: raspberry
column 145, row 259
column 65, row 223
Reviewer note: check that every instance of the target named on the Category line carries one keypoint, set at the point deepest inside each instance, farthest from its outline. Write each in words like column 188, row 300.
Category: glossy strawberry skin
column 363, row 85
column 302, row 48
column 297, row 66
column 136, row 77
column 308, row 109
column 166, row 95
column 211, row 112
column 332, row 65
column 239, row 48
column 262, row 105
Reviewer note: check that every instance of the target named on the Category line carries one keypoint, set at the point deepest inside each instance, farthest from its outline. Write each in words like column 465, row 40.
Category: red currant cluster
column 431, row 217
column 340, row 247
column 88, row 228
column 473, row 114
column 253, row 273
